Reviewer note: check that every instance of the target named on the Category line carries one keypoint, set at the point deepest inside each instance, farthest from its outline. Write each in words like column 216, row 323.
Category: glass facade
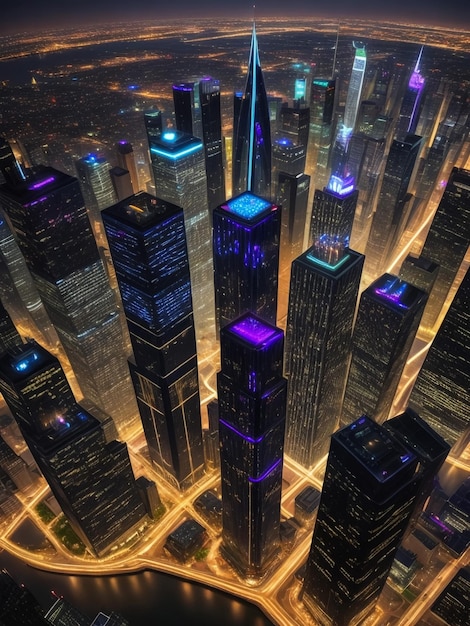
column 91, row 478
column 246, row 233
column 54, row 234
column 251, row 167
column 322, row 304
column 252, row 402
column 441, row 391
column 148, row 246
column 179, row 171
column 367, row 497
column 387, row 320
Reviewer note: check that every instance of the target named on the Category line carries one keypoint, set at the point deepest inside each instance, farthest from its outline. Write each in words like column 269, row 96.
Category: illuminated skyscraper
column 246, row 233
column 148, row 246
column 292, row 196
column 121, row 180
column 367, row 498
column 180, row 178
column 322, row 105
column 411, row 103
column 9, row 336
column 356, row 81
column 393, row 205
column 251, row 169
column 197, row 112
column 90, row 477
column 126, row 160
column 447, row 240
column 387, row 320
column 294, row 124
column 95, row 183
column 333, row 212
column 153, row 123
column 72, row 282
column 441, row 393
column 19, row 292
column 452, row 604
column 322, row 304
column 252, row 402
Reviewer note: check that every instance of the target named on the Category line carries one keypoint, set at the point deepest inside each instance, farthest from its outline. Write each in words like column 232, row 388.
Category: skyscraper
column 251, row 167
column 333, row 212
column 126, row 160
column 95, row 183
column 90, row 477
column 393, row 205
column 197, row 112
column 387, row 319
column 353, row 98
column 429, row 447
column 9, row 336
column 246, row 233
column 252, row 399
column 180, row 178
column 322, row 104
column 368, row 495
column 356, row 81
column 72, row 282
column 148, row 245
column 441, row 393
column 322, row 305
column 411, row 103
column 447, row 239
column 452, row 604
column 292, row 196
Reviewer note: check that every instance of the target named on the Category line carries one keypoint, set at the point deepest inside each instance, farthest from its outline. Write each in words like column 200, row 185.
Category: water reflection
column 145, row 598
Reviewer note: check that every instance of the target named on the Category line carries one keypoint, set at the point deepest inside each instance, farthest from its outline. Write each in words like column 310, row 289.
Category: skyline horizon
column 33, row 19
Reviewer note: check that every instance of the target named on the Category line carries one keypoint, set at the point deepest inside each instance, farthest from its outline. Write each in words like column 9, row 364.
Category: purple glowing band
column 245, row 437
column 42, row 183
column 266, row 473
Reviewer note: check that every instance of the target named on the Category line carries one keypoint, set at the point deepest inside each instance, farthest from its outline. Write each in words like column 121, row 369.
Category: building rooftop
column 248, row 206
column 253, row 330
column 142, row 211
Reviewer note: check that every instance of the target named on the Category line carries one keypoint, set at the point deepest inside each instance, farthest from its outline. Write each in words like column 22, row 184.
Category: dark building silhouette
column 447, row 240
column 393, row 204
column 367, row 498
column 90, row 477
column 388, row 317
column 441, row 393
column 322, row 305
column 453, row 604
column 148, row 245
column 252, row 404
column 72, row 282
column 197, row 112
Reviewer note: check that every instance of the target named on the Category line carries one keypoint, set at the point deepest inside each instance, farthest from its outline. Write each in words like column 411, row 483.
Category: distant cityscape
column 234, row 318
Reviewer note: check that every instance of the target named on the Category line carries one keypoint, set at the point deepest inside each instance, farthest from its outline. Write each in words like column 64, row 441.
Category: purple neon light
column 265, row 474
column 245, row 437
column 42, row 183
column 393, row 290
column 254, row 330
column 341, row 186
column 416, row 81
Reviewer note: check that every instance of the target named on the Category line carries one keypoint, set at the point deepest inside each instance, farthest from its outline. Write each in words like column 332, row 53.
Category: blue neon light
column 247, row 205
column 176, row 155
column 169, row 136
column 26, row 362
column 265, row 474
column 245, row 437
column 325, row 264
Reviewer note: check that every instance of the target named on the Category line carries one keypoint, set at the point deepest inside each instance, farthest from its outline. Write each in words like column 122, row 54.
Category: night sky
column 23, row 15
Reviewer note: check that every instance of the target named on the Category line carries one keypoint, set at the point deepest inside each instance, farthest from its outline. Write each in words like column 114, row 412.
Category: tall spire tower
column 252, row 133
